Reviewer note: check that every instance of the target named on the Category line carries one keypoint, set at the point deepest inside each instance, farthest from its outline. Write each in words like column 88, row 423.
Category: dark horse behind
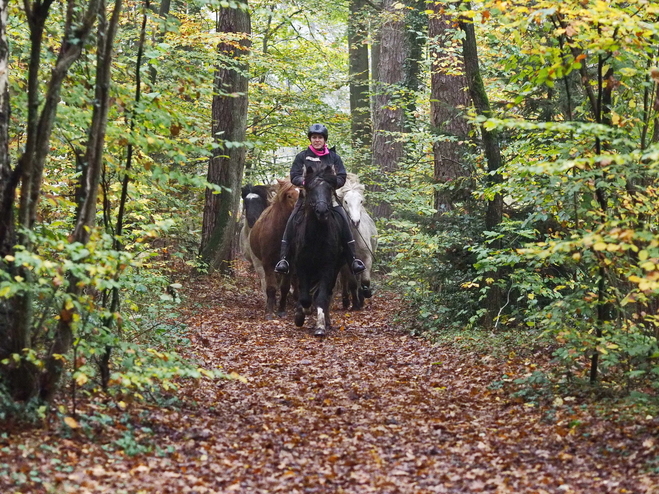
column 317, row 249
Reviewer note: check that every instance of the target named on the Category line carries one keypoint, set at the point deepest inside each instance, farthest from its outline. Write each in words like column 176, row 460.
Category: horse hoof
column 366, row 291
column 299, row 319
column 281, row 313
column 319, row 332
column 269, row 317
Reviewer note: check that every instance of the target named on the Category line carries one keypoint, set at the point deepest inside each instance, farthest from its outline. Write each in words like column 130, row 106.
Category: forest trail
column 368, row 409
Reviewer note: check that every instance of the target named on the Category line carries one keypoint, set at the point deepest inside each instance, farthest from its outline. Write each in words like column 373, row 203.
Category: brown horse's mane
column 283, row 187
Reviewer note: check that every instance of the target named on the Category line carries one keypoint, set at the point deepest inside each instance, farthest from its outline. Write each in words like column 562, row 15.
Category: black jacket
column 308, row 156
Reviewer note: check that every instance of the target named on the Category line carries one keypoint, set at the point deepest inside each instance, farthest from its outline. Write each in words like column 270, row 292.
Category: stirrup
column 282, row 267
column 357, row 266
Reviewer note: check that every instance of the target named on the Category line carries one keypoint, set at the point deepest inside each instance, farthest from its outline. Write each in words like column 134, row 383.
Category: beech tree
column 23, row 379
column 388, row 108
column 360, row 106
column 62, row 267
column 492, row 152
column 229, row 122
column 7, row 189
column 449, row 103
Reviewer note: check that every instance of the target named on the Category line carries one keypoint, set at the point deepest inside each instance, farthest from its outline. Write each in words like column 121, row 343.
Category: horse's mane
column 281, row 189
column 352, row 183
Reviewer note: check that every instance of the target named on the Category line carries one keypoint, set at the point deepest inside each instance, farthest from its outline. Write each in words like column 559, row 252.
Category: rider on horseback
column 319, row 152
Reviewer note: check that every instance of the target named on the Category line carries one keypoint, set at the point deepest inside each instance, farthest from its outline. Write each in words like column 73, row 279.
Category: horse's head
column 351, row 196
column 255, row 200
column 352, row 202
column 287, row 194
column 319, row 184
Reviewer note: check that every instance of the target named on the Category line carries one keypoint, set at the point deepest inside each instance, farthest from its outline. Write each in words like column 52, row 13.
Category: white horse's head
column 353, row 202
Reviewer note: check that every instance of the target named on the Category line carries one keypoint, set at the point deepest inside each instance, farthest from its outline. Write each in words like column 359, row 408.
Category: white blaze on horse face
column 252, row 195
column 352, row 203
column 320, row 318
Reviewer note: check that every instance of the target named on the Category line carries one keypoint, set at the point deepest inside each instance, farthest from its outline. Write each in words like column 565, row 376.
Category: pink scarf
column 319, row 153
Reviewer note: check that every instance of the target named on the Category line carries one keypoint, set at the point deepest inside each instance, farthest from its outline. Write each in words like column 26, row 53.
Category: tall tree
column 388, row 110
column 448, row 100
column 398, row 51
column 78, row 22
column 86, row 219
column 229, row 122
column 360, row 107
column 7, row 189
column 491, row 150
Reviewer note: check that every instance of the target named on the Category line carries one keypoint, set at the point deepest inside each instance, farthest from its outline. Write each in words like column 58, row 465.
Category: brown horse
column 265, row 241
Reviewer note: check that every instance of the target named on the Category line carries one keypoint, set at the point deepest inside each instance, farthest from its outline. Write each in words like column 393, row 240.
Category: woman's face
column 317, row 141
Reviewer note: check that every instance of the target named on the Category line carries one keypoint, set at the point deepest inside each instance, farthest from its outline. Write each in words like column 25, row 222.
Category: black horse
column 255, row 199
column 317, row 251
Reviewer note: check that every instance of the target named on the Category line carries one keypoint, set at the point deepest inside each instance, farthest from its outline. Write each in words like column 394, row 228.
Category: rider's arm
column 297, row 171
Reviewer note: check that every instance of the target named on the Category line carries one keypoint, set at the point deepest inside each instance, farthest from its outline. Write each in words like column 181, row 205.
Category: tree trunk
column 374, row 65
column 7, row 189
column 98, row 126
column 228, row 126
column 38, row 144
column 448, row 100
column 163, row 13
column 388, row 113
column 23, row 379
column 360, row 108
column 416, row 26
column 492, row 155
column 89, row 190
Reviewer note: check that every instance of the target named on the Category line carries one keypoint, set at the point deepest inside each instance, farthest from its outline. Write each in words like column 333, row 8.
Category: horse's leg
column 284, row 288
column 345, row 295
column 357, row 301
column 270, row 295
column 365, row 288
column 296, row 292
column 323, row 299
column 258, row 267
column 303, row 303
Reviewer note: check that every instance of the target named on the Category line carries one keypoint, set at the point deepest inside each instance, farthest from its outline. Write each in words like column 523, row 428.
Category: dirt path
column 367, row 409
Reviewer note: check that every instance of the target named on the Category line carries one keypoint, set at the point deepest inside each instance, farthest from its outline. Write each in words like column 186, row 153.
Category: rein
column 350, row 219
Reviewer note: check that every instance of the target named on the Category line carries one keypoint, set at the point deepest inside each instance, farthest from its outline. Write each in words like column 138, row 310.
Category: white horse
column 365, row 233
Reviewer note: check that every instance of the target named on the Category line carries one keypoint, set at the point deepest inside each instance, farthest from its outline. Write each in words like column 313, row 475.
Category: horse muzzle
column 322, row 211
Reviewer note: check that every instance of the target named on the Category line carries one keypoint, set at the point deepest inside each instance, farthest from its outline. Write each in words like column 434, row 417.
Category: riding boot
column 283, row 266
column 356, row 265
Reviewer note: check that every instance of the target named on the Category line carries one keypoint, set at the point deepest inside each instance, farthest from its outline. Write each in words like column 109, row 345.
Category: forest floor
column 367, row 409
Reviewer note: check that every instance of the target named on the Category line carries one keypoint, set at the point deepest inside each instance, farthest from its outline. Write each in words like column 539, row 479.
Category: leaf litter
column 367, row 409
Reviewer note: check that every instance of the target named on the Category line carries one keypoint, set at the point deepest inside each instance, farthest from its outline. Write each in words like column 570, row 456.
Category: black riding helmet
column 318, row 129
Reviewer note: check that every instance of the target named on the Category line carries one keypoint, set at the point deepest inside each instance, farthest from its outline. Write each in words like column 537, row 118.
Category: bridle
column 314, row 204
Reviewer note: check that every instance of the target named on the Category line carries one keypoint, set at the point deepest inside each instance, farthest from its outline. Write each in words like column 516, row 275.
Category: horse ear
column 245, row 190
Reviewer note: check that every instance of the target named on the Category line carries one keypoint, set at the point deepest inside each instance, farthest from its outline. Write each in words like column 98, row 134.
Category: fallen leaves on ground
column 368, row 409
